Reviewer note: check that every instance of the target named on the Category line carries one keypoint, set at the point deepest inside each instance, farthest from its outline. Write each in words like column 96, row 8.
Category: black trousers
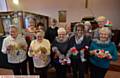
column 31, row 66
column 61, row 71
column 97, row 72
column 42, row 72
column 78, row 67
column 19, row 68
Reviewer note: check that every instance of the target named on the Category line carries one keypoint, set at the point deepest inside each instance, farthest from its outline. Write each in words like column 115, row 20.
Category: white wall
column 3, row 6
column 75, row 8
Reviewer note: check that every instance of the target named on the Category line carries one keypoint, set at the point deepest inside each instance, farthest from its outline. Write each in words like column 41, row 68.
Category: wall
column 3, row 6
column 75, row 8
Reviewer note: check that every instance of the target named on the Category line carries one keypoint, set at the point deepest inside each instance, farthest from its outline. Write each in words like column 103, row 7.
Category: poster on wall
column 62, row 15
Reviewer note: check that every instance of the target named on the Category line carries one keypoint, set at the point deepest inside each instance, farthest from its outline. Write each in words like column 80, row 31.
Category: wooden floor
column 114, row 71
column 110, row 74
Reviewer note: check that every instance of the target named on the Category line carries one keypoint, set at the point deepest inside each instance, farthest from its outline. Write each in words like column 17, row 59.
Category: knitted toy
column 101, row 54
column 65, row 61
column 108, row 24
column 14, row 48
column 60, row 58
column 39, row 53
column 82, row 53
column 73, row 51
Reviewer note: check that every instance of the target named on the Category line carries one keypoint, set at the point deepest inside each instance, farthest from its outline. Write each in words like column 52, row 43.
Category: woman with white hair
column 60, row 47
column 15, row 46
column 101, row 20
column 88, row 28
column 39, row 50
column 102, row 51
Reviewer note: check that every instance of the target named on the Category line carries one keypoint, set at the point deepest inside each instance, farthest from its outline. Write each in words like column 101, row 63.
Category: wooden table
column 115, row 66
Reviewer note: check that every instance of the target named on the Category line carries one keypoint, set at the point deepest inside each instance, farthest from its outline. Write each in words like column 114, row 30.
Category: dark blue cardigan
column 85, row 42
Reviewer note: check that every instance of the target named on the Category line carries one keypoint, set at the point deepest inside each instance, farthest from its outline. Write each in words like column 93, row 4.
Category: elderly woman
column 78, row 51
column 69, row 30
column 39, row 50
column 15, row 47
column 101, row 20
column 102, row 51
column 88, row 28
column 60, row 48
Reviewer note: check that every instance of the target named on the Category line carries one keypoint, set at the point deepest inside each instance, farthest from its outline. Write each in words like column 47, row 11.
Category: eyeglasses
column 61, row 34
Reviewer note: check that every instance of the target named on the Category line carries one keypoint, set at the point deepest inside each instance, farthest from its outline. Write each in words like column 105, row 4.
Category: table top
column 115, row 65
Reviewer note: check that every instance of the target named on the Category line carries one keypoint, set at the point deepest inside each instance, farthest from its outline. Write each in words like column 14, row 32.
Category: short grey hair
column 106, row 30
column 61, row 29
column 14, row 26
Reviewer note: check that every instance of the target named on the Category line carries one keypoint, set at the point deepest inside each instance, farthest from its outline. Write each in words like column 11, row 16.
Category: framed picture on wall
column 62, row 15
column 1, row 28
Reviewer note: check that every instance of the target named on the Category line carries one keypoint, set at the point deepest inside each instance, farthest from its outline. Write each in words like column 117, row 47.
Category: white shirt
column 37, row 60
column 78, row 41
column 19, row 54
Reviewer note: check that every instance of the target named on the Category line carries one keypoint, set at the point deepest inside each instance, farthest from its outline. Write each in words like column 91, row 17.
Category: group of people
column 84, row 50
